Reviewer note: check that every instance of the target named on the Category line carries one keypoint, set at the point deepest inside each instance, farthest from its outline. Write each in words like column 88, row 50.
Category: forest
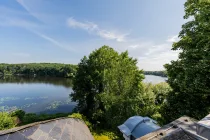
column 39, row 69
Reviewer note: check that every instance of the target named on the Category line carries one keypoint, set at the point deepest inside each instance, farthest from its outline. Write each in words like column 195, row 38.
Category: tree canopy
column 189, row 76
column 108, row 88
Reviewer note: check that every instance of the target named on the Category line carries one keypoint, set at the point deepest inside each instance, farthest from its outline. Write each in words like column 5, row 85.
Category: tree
column 161, row 91
column 189, row 76
column 88, row 81
column 108, row 88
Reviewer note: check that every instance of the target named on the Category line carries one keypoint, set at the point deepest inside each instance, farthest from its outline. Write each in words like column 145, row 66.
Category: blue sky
column 63, row 31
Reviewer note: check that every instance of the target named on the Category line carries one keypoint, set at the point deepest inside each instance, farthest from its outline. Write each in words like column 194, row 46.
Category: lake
column 154, row 79
column 36, row 95
column 42, row 94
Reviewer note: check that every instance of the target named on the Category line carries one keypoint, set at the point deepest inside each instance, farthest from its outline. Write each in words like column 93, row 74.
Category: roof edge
column 12, row 130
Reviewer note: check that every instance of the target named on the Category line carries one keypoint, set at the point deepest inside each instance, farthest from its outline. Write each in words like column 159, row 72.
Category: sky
column 63, row 31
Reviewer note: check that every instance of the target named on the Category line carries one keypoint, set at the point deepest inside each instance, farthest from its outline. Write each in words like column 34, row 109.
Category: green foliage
column 161, row 91
column 189, row 76
column 39, row 69
column 105, row 135
column 32, row 117
column 108, row 88
column 19, row 113
column 101, row 137
column 157, row 73
column 204, row 1
column 81, row 117
column 89, row 78
column 6, row 121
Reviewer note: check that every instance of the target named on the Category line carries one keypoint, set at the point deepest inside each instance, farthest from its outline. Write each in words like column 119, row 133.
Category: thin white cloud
column 30, row 26
column 18, row 22
column 150, row 55
column 173, row 39
column 12, row 20
column 89, row 26
column 51, row 40
column 133, row 46
column 23, row 4
column 47, row 38
column 94, row 28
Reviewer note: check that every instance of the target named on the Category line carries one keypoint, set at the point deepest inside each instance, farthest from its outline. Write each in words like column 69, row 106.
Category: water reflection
column 66, row 82
column 36, row 94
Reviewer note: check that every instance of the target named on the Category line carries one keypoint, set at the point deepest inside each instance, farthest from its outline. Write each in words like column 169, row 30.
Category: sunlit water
column 154, row 79
column 36, row 95
column 42, row 95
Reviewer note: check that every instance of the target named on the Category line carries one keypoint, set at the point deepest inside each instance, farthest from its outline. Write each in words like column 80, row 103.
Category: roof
column 138, row 126
column 60, row 129
column 205, row 121
column 183, row 128
column 203, row 127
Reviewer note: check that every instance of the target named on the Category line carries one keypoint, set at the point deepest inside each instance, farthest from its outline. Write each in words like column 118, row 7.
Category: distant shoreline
column 156, row 73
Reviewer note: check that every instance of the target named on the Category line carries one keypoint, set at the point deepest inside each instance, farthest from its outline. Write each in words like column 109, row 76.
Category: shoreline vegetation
column 38, row 69
column 156, row 73
column 49, row 70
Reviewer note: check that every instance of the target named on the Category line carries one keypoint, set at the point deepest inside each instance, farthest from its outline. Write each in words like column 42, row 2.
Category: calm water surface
column 36, row 95
column 42, row 95
column 154, row 79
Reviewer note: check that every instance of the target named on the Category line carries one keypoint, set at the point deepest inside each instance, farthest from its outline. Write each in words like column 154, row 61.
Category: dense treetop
column 108, row 88
column 189, row 76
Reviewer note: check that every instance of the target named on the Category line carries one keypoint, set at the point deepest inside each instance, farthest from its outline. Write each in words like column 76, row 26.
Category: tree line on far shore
column 156, row 73
column 50, row 69
column 39, row 69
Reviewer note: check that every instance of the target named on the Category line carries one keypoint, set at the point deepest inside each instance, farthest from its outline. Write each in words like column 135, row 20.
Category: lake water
column 42, row 95
column 154, row 79
column 36, row 95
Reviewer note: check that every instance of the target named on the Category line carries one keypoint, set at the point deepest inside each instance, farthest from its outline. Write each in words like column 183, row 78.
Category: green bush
column 101, row 137
column 6, row 121
column 105, row 135
column 81, row 117
column 18, row 113
column 32, row 117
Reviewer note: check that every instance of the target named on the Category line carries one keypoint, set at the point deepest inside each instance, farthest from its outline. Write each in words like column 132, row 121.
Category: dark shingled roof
column 58, row 129
column 183, row 128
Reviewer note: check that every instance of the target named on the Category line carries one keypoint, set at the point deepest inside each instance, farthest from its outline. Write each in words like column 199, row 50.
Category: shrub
column 19, row 113
column 105, row 135
column 29, row 118
column 101, row 137
column 81, row 117
column 6, row 121
column 32, row 117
